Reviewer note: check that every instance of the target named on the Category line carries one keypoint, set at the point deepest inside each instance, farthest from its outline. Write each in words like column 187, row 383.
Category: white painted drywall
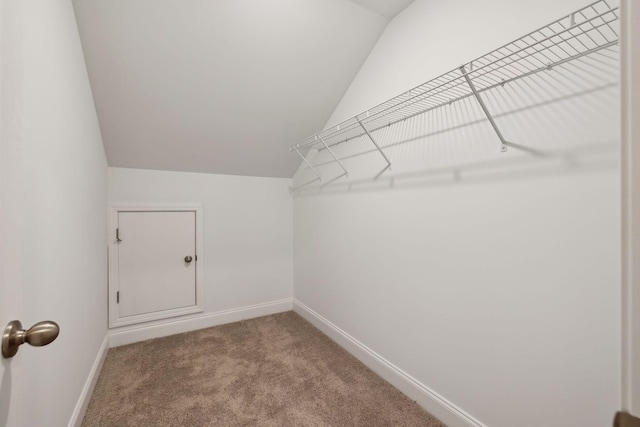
column 55, row 180
column 493, row 279
column 248, row 235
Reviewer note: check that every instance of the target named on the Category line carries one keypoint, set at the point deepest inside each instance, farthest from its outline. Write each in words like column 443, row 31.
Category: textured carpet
column 276, row 370
column 624, row 419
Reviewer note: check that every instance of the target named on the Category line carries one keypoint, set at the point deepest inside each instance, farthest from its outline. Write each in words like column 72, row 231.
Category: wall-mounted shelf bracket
column 309, row 164
column 333, row 179
column 376, row 144
column 318, row 177
column 334, row 157
column 476, row 94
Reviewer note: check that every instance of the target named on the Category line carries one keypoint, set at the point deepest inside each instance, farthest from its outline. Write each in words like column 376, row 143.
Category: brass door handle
column 42, row 333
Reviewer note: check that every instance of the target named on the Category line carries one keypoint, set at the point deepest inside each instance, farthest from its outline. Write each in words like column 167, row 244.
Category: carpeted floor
column 272, row 371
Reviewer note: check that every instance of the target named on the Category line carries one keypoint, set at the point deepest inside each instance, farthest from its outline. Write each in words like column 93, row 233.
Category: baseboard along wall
column 431, row 401
column 141, row 332
column 85, row 396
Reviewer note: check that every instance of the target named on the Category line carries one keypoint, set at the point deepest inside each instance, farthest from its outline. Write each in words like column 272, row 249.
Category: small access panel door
column 156, row 262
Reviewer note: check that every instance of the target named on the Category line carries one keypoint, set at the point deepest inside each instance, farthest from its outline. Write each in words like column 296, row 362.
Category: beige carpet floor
column 276, row 370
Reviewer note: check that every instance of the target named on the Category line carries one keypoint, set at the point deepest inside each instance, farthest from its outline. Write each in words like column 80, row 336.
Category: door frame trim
column 115, row 320
column 630, row 298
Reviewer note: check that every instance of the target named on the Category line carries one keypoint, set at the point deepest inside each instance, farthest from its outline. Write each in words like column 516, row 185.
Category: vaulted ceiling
column 222, row 86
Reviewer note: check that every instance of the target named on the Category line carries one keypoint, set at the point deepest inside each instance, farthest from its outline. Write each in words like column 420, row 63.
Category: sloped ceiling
column 222, row 86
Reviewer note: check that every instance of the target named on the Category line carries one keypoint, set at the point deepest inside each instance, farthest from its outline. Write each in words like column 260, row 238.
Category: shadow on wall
column 586, row 159
column 564, row 120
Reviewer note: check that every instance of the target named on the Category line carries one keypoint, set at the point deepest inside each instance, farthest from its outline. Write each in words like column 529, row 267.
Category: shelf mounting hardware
column 374, row 143
column 310, row 167
column 317, row 178
column 334, row 156
column 476, row 94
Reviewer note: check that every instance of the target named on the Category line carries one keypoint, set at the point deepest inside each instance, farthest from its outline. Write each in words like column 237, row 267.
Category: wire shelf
column 578, row 35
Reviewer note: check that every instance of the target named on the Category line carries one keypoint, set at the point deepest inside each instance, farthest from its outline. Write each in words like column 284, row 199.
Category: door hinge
column 118, row 239
column 118, row 297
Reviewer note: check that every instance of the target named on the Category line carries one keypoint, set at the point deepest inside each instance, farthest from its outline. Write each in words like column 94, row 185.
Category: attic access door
column 156, row 259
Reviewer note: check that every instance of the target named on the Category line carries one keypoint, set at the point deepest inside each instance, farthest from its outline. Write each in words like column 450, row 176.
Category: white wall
column 248, row 234
column 54, row 195
column 491, row 279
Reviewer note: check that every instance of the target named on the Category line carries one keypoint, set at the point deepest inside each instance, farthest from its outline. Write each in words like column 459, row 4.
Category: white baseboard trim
column 435, row 404
column 85, row 396
column 141, row 332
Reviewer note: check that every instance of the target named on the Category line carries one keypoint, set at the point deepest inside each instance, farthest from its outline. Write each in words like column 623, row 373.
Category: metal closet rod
column 492, row 63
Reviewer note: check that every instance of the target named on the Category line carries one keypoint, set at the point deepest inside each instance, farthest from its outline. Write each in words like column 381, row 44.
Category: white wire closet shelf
column 580, row 34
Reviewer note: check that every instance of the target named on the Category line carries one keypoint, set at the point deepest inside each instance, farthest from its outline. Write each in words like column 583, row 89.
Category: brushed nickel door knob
column 40, row 334
column 188, row 259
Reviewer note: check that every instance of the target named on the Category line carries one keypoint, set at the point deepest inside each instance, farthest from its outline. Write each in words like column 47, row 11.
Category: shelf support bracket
column 310, row 167
column 334, row 156
column 374, row 143
column 503, row 142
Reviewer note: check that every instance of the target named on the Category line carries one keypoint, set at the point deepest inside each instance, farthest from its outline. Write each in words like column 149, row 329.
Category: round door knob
column 188, row 259
column 42, row 333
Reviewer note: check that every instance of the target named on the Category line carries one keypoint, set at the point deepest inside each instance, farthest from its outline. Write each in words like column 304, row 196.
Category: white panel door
column 153, row 274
